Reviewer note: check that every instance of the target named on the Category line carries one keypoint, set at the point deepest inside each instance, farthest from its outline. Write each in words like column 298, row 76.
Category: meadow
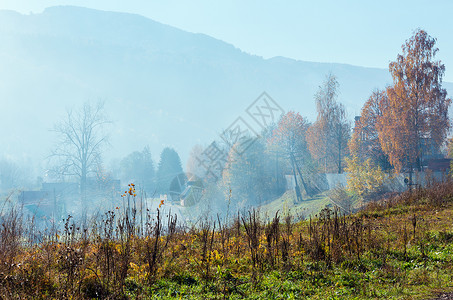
column 397, row 248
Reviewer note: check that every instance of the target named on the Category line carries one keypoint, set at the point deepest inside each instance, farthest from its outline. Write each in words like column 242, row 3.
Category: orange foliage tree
column 364, row 143
column 417, row 106
column 290, row 135
column 328, row 137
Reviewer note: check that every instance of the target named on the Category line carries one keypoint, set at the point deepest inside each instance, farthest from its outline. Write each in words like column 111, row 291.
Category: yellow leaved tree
column 363, row 178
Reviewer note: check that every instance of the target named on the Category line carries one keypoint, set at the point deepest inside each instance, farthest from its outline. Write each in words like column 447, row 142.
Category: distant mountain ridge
column 162, row 86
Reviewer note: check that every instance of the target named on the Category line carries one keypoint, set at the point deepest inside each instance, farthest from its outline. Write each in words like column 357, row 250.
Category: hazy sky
column 366, row 33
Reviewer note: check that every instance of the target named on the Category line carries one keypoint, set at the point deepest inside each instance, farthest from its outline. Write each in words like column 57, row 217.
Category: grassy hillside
column 286, row 204
column 399, row 248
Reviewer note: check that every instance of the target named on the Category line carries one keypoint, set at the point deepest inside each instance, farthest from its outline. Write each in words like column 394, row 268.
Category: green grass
column 287, row 204
column 373, row 254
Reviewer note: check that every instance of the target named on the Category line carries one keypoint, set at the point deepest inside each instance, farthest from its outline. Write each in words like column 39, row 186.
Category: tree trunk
column 307, row 190
column 83, row 186
column 339, row 155
column 298, row 194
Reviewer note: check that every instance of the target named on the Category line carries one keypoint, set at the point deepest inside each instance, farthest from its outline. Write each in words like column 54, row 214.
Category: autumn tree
column 416, row 115
column 364, row 143
column 250, row 175
column 290, row 135
column 363, row 177
column 82, row 137
column 328, row 136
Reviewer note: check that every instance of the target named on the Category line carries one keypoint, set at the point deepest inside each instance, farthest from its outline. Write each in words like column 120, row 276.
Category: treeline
column 139, row 168
column 399, row 129
column 293, row 147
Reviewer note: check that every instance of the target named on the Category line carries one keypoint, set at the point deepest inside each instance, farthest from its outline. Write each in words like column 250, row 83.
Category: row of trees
column 138, row 167
column 398, row 127
column 294, row 147
column 408, row 121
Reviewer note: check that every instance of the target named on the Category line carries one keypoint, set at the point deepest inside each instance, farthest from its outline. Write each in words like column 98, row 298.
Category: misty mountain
column 162, row 86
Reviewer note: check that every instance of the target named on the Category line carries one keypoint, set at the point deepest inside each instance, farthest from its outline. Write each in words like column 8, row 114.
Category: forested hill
column 162, row 86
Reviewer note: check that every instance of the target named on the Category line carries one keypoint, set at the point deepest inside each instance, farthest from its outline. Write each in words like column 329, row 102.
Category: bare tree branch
column 81, row 139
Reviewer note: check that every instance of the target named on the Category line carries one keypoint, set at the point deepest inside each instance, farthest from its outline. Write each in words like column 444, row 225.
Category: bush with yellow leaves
column 363, row 178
